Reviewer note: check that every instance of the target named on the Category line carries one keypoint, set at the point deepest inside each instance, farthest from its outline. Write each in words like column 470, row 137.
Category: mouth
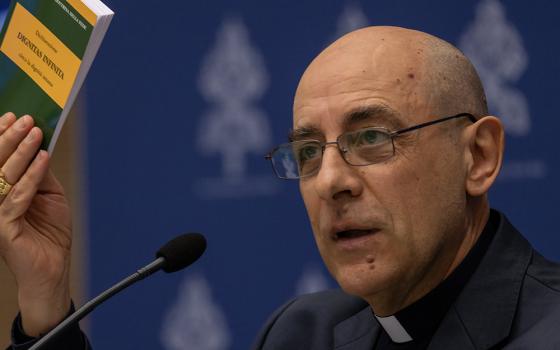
column 348, row 235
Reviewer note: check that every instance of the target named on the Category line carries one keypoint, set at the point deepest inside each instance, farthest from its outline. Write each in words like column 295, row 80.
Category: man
column 394, row 152
column 395, row 184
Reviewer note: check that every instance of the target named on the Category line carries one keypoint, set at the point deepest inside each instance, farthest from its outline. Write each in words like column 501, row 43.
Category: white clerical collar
column 394, row 329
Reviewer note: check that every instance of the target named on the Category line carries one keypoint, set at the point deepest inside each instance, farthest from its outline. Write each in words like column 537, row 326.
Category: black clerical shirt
column 418, row 322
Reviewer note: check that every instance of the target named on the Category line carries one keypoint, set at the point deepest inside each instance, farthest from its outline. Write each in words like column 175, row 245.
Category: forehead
column 346, row 83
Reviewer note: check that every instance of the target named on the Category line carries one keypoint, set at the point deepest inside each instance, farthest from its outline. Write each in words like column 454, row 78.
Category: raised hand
column 35, row 227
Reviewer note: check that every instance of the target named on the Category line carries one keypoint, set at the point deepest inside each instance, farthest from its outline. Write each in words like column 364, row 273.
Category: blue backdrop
column 184, row 99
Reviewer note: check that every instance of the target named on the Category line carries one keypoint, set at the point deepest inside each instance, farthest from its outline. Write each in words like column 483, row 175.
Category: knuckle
column 7, row 121
column 17, row 195
column 11, row 137
column 13, row 133
column 5, row 210
column 22, row 150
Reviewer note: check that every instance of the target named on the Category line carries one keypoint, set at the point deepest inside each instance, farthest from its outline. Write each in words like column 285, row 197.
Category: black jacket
column 512, row 301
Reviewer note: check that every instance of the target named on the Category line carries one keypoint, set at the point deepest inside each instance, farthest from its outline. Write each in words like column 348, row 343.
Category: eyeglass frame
column 392, row 135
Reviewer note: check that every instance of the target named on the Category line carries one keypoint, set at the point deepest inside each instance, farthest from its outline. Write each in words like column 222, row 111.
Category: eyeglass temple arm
column 419, row 126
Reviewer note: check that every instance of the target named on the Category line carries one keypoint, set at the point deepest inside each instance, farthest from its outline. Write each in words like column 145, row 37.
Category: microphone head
column 182, row 251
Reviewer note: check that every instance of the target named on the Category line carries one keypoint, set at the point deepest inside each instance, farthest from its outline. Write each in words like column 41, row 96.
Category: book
column 46, row 50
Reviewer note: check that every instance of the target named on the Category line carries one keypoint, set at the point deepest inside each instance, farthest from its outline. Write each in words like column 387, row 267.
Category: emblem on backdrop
column 232, row 79
column 496, row 49
column 3, row 13
column 312, row 280
column 351, row 18
column 195, row 320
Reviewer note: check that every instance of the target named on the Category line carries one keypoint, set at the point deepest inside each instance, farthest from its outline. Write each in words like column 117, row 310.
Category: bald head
column 422, row 70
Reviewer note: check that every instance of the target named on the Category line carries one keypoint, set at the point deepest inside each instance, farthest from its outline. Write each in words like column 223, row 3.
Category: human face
column 387, row 232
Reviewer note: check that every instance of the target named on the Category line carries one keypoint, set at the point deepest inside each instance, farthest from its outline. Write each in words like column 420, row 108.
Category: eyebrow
column 380, row 114
column 304, row 133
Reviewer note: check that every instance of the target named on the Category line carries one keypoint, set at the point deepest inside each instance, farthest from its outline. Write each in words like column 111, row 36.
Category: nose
column 336, row 178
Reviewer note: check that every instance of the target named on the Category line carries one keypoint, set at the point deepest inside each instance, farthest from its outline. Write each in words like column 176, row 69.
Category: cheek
column 426, row 199
column 403, row 190
column 318, row 215
column 312, row 205
column 309, row 200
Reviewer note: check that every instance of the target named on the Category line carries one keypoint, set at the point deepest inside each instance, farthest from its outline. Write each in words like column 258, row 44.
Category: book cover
column 43, row 45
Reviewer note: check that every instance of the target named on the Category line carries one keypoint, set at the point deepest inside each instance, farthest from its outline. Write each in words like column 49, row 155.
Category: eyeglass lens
column 303, row 158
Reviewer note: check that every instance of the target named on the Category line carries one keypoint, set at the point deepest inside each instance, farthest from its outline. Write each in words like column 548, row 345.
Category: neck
column 478, row 214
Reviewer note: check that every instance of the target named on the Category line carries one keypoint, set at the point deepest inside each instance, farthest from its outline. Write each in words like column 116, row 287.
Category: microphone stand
column 92, row 304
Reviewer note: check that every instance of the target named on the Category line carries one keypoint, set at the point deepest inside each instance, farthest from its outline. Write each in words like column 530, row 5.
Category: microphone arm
column 92, row 304
column 175, row 255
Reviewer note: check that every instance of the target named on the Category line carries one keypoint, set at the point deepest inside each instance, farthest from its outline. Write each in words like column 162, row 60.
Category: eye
column 308, row 151
column 365, row 140
column 369, row 137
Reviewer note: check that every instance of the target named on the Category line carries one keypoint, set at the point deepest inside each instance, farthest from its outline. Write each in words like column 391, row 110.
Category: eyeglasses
column 298, row 159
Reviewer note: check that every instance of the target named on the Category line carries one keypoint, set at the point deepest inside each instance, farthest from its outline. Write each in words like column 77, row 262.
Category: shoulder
column 307, row 322
column 540, row 294
column 538, row 313
column 546, row 273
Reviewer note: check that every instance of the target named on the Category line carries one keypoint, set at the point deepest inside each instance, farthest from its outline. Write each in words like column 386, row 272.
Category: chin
column 362, row 281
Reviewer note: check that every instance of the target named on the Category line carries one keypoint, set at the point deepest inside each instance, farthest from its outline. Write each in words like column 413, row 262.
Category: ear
column 486, row 150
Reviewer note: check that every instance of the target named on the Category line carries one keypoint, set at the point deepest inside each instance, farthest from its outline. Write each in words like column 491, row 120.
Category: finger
column 11, row 138
column 19, row 199
column 16, row 164
column 6, row 120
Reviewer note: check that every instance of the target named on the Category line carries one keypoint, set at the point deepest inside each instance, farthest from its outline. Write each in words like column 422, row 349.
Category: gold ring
column 5, row 186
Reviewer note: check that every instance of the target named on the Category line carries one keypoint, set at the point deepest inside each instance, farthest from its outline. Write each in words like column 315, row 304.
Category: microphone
column 173, row 256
